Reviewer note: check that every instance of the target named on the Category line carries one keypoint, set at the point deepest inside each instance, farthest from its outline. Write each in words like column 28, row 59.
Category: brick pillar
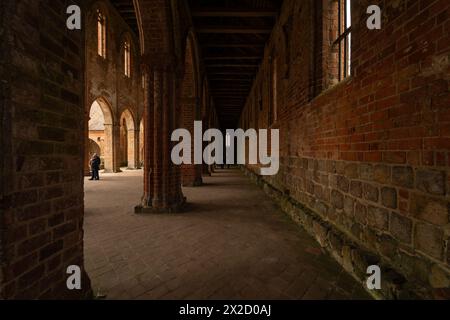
column 162, row 179
column 133, row 149
column 108, row 150
column 205, row 169
column 87, row 170
column 115, row 130
column 191, row 173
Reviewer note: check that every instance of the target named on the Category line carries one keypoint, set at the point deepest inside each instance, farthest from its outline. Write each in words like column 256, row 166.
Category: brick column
column 205, row 169
column 191, row 173
column 162, row 180
column 115, row 129
column 133, row 149
column 87, row 170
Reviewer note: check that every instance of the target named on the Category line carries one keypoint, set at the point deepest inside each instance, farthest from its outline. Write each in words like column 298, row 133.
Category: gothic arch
column 155, row 18
column 105, row 132
column 106, row 109
column 128, row 143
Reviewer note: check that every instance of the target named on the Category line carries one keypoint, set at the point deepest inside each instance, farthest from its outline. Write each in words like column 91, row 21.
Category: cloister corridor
column 232, row 242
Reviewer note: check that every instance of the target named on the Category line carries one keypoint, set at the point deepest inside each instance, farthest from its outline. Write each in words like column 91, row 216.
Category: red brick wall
column 370, row 156
column 190, row 111
column 106, row 77
column 42, row 114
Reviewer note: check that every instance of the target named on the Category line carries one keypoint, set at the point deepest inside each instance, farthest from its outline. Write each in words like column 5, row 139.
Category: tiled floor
column 231, row 243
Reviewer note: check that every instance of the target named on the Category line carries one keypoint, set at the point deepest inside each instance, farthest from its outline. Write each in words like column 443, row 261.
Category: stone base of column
column 172, row 208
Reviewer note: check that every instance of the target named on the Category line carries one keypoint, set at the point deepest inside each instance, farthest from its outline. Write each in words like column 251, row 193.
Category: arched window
column 101, row 34
column 127, row 58
column 344, row 41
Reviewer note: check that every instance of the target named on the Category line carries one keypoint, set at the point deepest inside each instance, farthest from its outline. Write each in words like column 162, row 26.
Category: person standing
column 95, row 167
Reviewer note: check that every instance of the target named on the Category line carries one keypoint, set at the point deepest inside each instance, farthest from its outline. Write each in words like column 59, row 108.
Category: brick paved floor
column 232, row 243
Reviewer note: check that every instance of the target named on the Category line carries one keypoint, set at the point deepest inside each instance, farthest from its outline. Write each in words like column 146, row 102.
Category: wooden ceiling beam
column 233, row 45
column 225, row 91
column 234, row 30
column 225, row 65
column 226, row 12
column 230, row 79
column 228, row 73
column 214, row 58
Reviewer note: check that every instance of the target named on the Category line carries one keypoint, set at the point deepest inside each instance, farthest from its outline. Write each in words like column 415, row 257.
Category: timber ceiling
column 126, row 10
column 232, row 36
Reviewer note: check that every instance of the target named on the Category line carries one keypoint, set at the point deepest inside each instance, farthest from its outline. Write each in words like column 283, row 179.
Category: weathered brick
column 349, row 204
column 52, row 134
column 370, row 192
column 360, row 213
column 394, row 157
column 430, row 209
column 366, row 172
column 414, row 267
column 403, row 177
column 321, row 208
column 50, row 250
column 331, row 166
column 34, row 243
column 340, row 167
column 431, row 181
column 34, row 211
column 337, row 199
column 343, row 183
column 429, row 239
column 336, row 243
column 356, row 188
column 378, row 218
column 64, row 229
column 439, row 278
column 351, row 171
column 389, row 197
column 387, row 245
column 31, row 277
column 401, row 227
column 24, row 264
column 322, row 165
column 320, row 232
column 16, row 234
column 382, row 174
column 37, row 226
column 356, row 230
